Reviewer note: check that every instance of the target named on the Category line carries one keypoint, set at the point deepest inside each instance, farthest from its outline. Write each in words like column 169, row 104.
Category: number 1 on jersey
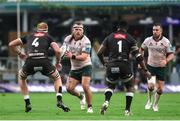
column 35, row 42
column 120, row 46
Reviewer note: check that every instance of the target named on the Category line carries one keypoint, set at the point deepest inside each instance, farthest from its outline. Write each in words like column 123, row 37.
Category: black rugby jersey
column 38, row 44
column 119, row 45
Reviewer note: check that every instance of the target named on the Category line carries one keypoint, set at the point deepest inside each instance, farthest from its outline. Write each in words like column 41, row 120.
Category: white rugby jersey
column 77, row 47
column 157, row 51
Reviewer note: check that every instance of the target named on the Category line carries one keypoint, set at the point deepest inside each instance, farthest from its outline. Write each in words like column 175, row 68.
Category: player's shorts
column 43, row 65
column 118, row 71
column 159, row 72
column 78, row 74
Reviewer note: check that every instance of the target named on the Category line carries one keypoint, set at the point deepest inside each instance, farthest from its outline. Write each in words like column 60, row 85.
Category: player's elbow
column 57, row 51
column 11, row 44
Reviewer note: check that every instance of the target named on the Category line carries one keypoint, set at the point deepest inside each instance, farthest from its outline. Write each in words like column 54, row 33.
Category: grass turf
column 44, row 107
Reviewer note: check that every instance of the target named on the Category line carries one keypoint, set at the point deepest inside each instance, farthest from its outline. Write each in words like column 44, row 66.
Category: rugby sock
column 59, row 94
column 150, row 93
column 156, row 98
column 89, row 105
column 129, row 97
column 108, row 93
column 27, row 100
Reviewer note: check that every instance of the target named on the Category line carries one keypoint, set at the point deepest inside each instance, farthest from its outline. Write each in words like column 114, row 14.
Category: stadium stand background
column 100, row 18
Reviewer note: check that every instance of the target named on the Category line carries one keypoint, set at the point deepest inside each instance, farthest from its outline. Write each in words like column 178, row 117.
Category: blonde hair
column 42, row 27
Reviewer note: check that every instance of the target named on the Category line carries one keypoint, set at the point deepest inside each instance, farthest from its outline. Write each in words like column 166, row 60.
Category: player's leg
column 58, row 88
column 159, row 91
column 108, row 94
column 73, row 80
column 88, row 94
column 150, row 92
column 129, row 95
column 70, row 86
column 151, row 87
column 24, row 89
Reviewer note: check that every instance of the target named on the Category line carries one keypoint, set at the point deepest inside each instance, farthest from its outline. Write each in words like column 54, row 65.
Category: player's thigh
column 28, row 68
column 48, row 67
column 86, row 81
column 71, row 83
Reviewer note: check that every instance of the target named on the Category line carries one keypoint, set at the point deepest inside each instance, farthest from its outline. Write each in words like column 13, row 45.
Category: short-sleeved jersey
column 157, row 50
column 119, row 45
column 38, row 44
column 78, row 47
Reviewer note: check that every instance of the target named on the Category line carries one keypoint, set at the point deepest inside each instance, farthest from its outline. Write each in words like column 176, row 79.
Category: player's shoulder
column 165, row 39
column 148, row 38
column 67, row 38
column 85, row 39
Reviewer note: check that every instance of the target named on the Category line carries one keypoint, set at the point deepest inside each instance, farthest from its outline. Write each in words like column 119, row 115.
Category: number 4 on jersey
column 35, row 42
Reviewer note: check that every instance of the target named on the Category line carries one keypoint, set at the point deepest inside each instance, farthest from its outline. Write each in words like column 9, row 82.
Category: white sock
column 26, row 97
column 156, row 98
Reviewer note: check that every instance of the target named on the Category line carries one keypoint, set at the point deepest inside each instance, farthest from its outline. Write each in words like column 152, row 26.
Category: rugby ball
column 64, row 48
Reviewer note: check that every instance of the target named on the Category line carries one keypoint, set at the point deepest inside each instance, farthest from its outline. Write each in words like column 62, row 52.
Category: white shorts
column 152, row 80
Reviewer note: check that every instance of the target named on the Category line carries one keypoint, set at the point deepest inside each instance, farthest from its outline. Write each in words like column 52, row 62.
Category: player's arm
column 57, row 51
column 86, row 50
column 170, row 57
column 14, row 45
column 100, row 53
column 170, row 53
column 140, row 60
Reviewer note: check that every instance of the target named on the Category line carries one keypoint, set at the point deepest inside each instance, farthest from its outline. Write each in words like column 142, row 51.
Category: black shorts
column 43, row 65
column 118, row 71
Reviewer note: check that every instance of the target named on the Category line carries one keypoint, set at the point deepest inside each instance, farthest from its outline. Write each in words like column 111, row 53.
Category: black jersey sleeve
column 105, row 42
column 133, row 43
column 24, row 39
column 50, row 39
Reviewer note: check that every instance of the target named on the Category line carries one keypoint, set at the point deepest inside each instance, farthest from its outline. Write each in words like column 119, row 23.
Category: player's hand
column 58, row 66
column 68, row 54
column 163, row 62
column 23, row 56
column 148, row 74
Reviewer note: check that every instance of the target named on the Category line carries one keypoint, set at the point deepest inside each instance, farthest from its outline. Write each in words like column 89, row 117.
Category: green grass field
column 44, row 108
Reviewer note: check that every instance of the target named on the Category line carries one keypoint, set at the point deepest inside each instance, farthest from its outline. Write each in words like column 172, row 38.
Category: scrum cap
column 78, row 24
column 42, row 27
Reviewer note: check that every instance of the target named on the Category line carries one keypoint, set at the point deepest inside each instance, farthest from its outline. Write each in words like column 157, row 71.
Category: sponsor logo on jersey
column 120, row 36
column 39, row 34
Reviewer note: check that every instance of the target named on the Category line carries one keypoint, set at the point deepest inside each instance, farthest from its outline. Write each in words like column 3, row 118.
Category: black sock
column 128, row 102
column 59, row 98
column 108, row 95
column 60, row 90
column 27, row 101
column 89, row 105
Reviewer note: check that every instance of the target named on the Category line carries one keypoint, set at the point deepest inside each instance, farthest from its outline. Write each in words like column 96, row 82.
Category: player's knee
column 159, row 91
column 85, row 87
column 55, row 75
column 130, row 89
column 69, row 89
column 22, row 75
column 150, row 88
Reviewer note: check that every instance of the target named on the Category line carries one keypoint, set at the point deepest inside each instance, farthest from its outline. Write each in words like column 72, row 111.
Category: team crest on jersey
column 150, row 44
column 120, row 36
